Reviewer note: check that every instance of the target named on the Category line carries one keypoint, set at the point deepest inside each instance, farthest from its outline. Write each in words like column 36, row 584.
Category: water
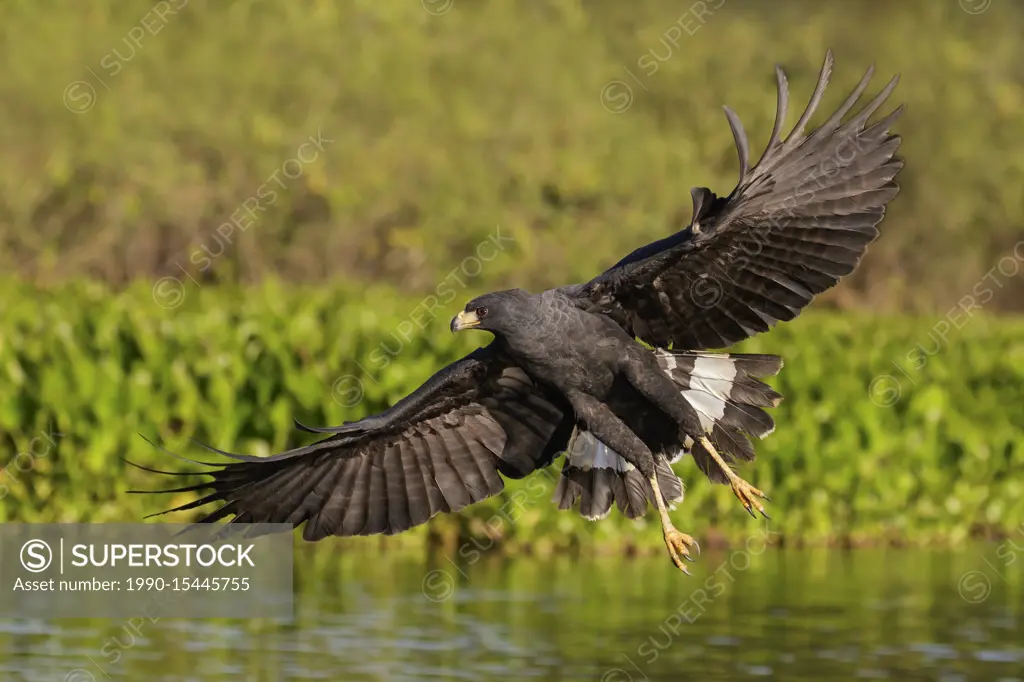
column 745, row 614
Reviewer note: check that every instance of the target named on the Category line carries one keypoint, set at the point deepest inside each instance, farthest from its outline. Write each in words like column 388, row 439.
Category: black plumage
column 565, row 372
column 795, row 223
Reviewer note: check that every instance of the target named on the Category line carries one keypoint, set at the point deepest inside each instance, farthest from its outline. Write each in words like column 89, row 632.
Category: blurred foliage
column 902, row 429
column 133, row 130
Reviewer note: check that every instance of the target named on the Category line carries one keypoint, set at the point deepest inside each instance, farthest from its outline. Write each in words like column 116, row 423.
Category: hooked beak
column 464, row 320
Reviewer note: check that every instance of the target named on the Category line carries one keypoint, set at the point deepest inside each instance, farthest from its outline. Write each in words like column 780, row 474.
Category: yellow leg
column 678, row 544
column 746, row 493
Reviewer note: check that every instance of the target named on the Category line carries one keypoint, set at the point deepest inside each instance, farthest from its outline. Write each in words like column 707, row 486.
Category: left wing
column 437, row 450
column 796, row 222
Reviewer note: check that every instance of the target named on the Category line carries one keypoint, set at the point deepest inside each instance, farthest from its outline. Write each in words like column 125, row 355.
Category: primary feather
column 796, row 222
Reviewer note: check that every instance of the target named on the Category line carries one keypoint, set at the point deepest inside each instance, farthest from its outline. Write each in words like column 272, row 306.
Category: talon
column 679, row 545
column 678, row 563
column 747, row 495
column 676, row 542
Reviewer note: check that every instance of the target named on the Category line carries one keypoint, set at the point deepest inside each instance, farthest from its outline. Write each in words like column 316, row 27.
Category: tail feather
column 597, row 476
column 726, row 392
column 728, row 396
column 750, row 391
column 634, row 504
column 596, row 495
column 670, row 485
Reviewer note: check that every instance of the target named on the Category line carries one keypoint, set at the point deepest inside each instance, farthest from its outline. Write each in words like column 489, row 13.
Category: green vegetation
column 205, row 145
column 888, row 431
column 442, row 127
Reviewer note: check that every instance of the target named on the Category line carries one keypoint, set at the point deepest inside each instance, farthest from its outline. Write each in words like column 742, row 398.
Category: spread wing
column 438, row 450
column 797, row 221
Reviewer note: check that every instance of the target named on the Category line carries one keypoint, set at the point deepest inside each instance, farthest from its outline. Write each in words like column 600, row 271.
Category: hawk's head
column 499, row 312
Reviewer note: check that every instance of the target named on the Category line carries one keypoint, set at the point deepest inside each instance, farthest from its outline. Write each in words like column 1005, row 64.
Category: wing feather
column 797, row 222
column 440, row 449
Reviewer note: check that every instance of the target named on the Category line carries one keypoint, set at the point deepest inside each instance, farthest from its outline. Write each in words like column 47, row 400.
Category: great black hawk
column 565, row 371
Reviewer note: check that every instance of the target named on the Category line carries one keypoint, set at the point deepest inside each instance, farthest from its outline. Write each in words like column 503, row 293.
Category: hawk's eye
column 481, row 313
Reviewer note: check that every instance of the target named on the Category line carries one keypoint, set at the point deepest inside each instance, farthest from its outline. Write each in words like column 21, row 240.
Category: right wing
column 798, row 221
column 438, row 450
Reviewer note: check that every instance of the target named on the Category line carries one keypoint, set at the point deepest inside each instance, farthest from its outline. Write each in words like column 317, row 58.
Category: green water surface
column 746, row 613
